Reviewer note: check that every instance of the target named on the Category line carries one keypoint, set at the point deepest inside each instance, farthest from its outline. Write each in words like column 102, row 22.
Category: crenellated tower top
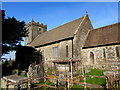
column 34, row 29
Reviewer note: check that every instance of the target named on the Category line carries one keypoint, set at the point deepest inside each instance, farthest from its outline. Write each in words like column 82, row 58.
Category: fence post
column 84, row 82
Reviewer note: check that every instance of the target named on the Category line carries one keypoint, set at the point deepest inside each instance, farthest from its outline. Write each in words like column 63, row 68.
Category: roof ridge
column 80, row 23
column 103, row 36
column 106, row 26
column 66, row 23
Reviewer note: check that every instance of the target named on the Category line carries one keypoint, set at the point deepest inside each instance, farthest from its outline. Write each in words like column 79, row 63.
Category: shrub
column 24, row 75
column 81, row 80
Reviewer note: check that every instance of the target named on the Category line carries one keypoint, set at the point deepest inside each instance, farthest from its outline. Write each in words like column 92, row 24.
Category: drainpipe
column 71, row 69
column 72, row 48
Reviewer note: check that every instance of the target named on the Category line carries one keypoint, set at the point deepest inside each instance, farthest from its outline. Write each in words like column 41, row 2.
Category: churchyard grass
column 96, row 72
column 77, row 86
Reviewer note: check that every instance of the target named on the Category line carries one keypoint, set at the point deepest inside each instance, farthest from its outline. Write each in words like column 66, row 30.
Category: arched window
column 67, row 51
column 117, row 52
column 92, row 58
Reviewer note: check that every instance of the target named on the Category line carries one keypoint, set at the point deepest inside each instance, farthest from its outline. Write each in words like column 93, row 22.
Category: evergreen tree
column 13, row 31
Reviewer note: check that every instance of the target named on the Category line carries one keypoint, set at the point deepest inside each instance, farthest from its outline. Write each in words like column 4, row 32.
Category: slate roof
column 103, row 36
column 62, row 32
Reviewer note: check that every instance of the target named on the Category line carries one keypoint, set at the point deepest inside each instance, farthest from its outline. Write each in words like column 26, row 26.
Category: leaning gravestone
column 35, row 72
column 31, row 73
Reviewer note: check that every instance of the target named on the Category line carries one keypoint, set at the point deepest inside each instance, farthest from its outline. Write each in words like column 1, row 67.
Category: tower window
column 39, row 29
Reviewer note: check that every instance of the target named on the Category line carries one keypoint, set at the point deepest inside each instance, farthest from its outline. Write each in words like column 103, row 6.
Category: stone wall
column 109, row 61
column 34, row 29
column 74, row 46
column 29, row 38
column 13, row 82
column 80, row 36
column 47, row 51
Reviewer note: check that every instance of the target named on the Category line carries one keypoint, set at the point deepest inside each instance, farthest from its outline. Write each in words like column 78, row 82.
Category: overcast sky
column 57, row 13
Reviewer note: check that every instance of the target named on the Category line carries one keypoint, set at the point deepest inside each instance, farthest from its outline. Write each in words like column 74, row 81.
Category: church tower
column 34, row 29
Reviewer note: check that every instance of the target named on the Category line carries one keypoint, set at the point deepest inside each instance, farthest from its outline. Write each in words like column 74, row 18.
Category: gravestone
column 35, row 72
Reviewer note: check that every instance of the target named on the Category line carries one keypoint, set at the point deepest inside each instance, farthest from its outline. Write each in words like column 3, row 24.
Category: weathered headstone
column 35, row 72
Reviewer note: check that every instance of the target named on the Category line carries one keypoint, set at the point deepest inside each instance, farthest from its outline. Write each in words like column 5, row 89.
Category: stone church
column 77, row 41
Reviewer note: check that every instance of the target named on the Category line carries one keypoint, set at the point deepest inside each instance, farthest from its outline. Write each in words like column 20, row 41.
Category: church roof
column 106, row 35
column 59, row 33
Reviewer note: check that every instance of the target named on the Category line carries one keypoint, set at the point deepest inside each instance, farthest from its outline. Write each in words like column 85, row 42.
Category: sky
column 57, row 13
column 61, row 0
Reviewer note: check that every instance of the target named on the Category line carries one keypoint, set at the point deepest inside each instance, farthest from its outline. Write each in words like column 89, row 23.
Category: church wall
column 109, row 61
column 29, row 38
column 80, row 37
column 34, row 29
column 47, row 51
column 37, row 29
